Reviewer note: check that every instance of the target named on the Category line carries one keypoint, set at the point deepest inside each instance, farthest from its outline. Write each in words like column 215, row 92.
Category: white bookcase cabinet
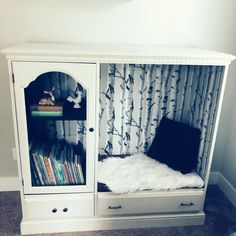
column 72, row 205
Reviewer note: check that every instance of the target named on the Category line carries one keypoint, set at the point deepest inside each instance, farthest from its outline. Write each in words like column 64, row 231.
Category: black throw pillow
column 176, row 145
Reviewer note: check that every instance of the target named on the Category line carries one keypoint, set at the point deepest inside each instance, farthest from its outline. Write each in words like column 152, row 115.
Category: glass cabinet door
column 55, row 104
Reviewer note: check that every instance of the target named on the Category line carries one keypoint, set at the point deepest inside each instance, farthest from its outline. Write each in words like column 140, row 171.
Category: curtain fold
column 134, row 98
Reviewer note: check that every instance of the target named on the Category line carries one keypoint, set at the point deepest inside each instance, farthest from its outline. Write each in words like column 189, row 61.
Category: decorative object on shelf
column 77, row 99
column 49, row 98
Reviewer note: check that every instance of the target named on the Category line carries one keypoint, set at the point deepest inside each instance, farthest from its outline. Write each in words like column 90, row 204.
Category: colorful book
column 72, row 166
column 52, row 163
column 34, row 151
column 59, row 164
column 40, row 155
column 46, row 113
column 77, row 169
column 68, row 163
column 64, row 171
column 65, row 164
column 57, row 107
column 48, row 164
column 34, row 175
column 80, row 170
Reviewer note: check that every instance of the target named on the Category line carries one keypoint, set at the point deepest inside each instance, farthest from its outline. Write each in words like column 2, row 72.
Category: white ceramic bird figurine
column 77, row 100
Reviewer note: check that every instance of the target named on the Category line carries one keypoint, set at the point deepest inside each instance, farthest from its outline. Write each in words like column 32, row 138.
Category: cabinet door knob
column 65, row 209
column 91, row 129
column 54, row 210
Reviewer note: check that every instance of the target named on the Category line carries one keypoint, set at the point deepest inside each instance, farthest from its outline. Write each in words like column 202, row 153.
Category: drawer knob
column 54, row 210
column 65, row 209
column 115, row 207
column 186, row 204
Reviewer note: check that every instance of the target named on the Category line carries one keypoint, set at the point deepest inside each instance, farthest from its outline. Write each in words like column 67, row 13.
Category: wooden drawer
column 57, row 206
column 144, row 204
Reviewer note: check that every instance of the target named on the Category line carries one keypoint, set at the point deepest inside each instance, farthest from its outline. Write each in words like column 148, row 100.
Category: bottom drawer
column 144, row 204
column 58, row 206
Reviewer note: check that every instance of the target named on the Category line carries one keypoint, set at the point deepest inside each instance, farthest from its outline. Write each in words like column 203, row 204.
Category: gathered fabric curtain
column 134, row 98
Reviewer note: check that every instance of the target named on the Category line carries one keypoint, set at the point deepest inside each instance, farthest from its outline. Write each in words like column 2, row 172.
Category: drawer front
column 54, row 207
column 117, row 205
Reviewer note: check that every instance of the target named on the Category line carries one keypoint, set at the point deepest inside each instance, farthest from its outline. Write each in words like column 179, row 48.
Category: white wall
column 228, row 161
column 202, row 23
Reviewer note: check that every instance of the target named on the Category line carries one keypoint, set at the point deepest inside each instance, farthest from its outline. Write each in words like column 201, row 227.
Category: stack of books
column 47, row 110
column 55, row 164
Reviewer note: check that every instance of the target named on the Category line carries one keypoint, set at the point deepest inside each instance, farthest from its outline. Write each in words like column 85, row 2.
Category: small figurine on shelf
column 77, row 99
column 48, row 99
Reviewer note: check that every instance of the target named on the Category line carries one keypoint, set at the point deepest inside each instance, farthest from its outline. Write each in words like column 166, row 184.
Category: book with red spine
column 57, row 107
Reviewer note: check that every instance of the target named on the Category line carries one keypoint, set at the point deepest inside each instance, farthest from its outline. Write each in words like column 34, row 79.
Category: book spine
column 46, row 108
column 54, row 170
column 68, row 164
column 34, row 176
column 43, row 167
column 39, row 169
column 49, row 170
column 79, row 170
column 81, row 174
column 65, row 174
column 59, row 171
column 75, row 173
column 46, row 113
column 76, row 169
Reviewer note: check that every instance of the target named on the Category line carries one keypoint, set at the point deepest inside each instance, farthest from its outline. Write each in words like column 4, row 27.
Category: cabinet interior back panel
column 134, row 98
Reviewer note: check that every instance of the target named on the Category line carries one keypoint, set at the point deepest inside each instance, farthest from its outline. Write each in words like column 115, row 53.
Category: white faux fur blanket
column 139, row 172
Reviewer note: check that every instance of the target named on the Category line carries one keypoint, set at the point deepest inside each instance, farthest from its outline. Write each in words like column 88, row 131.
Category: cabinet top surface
column 117, row 53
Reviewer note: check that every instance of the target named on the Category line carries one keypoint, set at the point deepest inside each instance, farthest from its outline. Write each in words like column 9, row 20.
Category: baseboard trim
column 227, row 188
column 9, row 184
column 108, row 223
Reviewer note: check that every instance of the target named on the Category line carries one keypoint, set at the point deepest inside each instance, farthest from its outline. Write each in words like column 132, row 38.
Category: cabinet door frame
column 24, row 74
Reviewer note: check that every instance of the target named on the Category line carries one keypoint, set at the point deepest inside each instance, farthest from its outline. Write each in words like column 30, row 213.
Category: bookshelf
column 56, row 128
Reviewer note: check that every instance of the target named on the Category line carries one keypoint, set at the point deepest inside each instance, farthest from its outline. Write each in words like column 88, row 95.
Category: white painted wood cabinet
column 59, row 145
column 49, row 128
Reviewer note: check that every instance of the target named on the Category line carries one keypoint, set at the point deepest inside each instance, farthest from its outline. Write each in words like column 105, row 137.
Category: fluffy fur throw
column 139, row 172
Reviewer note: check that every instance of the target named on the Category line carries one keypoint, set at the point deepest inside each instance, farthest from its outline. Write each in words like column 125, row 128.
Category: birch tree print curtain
column 134, row 98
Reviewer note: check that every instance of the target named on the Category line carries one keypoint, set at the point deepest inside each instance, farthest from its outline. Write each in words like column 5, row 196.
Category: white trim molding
column 9, row 184
column 228, row 189
column 108, row 223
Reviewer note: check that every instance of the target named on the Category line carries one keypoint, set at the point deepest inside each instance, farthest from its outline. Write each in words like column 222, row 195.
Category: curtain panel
column 134, row 98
